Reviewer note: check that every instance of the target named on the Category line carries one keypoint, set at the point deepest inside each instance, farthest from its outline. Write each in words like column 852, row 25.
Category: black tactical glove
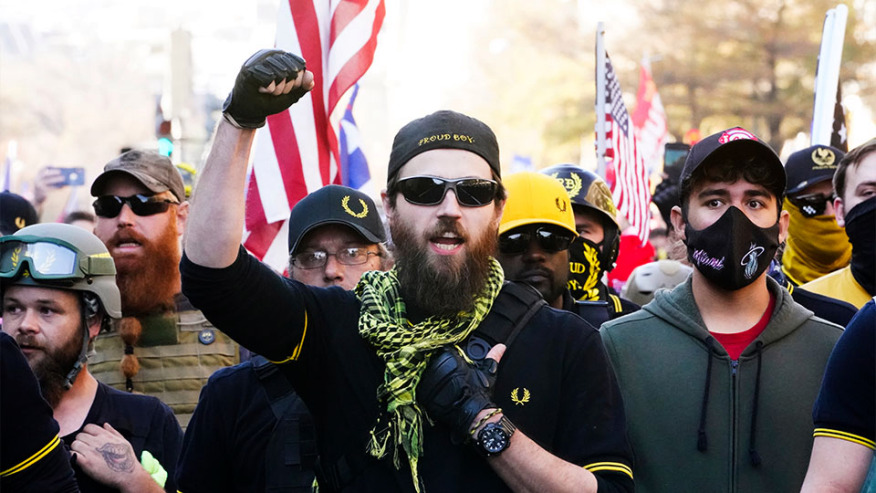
column 453, row 391
column 246, row 107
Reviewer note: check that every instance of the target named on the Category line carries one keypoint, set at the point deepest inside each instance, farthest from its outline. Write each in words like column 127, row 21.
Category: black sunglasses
column 549, row 240
column 812, row 205
column 142, row 205
column 430, row 190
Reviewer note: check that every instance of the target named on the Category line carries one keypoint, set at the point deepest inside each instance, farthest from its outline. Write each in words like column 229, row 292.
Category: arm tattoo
column 116, row 457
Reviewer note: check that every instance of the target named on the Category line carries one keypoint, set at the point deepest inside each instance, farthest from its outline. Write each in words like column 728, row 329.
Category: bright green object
column 153, row 467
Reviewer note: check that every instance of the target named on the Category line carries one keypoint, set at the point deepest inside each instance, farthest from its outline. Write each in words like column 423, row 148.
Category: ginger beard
column 149, row 279
column 441, row 285
column 56, row 362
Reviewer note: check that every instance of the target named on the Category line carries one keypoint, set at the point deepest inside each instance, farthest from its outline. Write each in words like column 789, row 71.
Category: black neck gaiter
column 733, row 251
column 861, row 230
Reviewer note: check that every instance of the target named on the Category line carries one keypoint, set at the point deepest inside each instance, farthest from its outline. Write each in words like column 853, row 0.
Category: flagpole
column 600, row 100
column 827, row 74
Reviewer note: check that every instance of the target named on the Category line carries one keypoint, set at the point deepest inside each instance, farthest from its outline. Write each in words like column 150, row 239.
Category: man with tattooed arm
column 58, row 285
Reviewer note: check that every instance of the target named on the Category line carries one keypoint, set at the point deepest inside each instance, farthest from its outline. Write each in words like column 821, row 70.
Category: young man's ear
column 675, row 216
column 839, row 211
column 784, row 220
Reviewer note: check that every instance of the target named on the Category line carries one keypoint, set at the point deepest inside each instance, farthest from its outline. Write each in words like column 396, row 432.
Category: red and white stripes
column 297, row 151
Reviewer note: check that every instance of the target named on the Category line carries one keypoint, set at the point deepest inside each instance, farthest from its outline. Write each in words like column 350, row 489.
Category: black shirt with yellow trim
column 846, row 404
column 32, row 458
column 554, row 383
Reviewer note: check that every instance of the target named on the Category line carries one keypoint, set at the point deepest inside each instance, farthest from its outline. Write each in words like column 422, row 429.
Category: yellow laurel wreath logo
column 823, row 156
column 572, row 184
column 345, row 204
column 20, row 222
column 516, row 399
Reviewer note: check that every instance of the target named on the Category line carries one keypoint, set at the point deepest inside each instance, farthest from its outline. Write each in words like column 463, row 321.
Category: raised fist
column 453, row 391
column 268, row 83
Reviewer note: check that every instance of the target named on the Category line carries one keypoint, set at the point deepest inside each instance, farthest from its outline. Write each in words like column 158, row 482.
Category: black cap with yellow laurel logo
column 335, row 204
column 15, row 213
column 812, row 165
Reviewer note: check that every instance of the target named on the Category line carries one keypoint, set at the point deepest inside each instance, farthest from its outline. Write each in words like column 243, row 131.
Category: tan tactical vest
column 177, row 353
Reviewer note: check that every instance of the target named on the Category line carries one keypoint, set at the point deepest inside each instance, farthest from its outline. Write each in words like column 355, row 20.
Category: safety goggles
column 110, row 206
column 813, row 204
column 430, row 190
column 549, row 240
column 49, row 259
column 318, row 258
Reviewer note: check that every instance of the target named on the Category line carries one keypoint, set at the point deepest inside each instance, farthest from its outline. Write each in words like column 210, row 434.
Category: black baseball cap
column 335, row 204
column 15, row 213
column 812, row 165
column 734, row 141
column 444, row 130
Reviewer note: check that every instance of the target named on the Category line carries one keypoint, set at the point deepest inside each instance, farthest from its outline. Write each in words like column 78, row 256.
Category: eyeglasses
column 49, row 259
column 548, row 239
column 812, row 205
column 143, row 205
column 318, row 258
column 430, row 190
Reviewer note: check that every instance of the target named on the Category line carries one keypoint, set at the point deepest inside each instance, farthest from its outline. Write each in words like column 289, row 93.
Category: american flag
column 297, row 152
column 630, row 191
column 649, row 120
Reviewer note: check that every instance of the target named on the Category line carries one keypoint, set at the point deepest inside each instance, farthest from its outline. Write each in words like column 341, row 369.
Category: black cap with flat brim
column 335, row 204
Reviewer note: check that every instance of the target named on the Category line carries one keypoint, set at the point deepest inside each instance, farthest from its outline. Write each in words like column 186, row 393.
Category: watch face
column 493, row 439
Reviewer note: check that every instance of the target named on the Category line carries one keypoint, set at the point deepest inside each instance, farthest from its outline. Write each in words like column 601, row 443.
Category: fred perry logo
column 561, row 204
column 207, row 337
column 345, row 204
column 517, row 399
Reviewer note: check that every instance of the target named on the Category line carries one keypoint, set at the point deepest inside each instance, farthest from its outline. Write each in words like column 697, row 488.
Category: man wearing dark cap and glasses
column 719, row 375
column 251, row 431
column 163, row 346
column 397, row 403
column 816, row 244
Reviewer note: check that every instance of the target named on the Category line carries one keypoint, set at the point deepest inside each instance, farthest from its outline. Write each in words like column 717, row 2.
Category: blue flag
column 354, row 166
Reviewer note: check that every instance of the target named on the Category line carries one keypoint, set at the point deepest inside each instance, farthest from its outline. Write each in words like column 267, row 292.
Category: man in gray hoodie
column 719, row 375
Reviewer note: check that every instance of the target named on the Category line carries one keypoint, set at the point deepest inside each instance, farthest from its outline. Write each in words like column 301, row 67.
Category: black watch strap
column 495, row 437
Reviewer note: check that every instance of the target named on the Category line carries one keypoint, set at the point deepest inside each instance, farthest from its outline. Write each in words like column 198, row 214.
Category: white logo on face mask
column 750, row 260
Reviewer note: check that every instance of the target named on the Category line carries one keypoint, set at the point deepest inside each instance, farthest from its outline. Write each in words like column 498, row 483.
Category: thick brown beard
column 52, row 369
column 148, row 282
column 436, row 285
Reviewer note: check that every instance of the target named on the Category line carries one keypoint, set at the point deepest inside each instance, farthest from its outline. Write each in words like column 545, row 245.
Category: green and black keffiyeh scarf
column 406, row 348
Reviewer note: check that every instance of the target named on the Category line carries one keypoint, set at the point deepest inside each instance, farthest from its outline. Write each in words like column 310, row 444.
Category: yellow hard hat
column 534, row 198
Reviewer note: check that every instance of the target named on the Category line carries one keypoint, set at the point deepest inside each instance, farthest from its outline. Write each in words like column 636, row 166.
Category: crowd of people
column 466, row 339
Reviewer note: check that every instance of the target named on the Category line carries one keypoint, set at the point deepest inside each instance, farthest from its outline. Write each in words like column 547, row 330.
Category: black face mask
column 733, row 251
column 584, row 270
column 861, row 230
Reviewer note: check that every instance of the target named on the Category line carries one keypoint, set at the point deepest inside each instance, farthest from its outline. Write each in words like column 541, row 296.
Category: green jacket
column 661, row 355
